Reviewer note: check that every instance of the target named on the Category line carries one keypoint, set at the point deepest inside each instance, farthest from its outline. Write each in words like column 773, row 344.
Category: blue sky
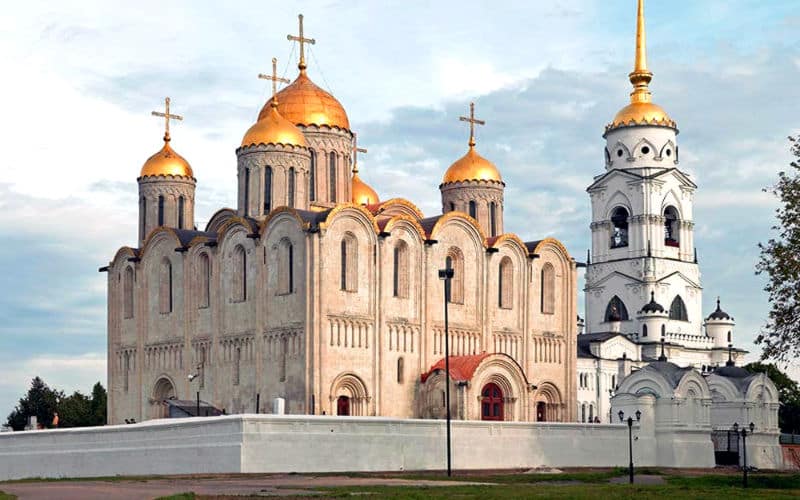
column 82, row 77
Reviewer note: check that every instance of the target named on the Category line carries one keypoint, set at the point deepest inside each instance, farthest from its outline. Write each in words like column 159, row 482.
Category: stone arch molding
column 351, row 385
column 504, row 371
column 618, row 199
column 693, row 385
column 163, row 389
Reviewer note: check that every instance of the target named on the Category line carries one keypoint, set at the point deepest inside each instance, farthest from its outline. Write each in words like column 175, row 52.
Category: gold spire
column 472, row 121
column 167, row 116
column 301, row 40
column 641, row 76
column 275, row 79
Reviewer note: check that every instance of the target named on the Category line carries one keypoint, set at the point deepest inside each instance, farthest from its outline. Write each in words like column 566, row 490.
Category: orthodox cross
column 275, row 79
column 167, row 116
column 356, row 150
column 301, row 40
column 472, row 121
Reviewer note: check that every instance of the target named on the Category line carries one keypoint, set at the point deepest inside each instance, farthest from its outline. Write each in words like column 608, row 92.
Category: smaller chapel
column 316, row 290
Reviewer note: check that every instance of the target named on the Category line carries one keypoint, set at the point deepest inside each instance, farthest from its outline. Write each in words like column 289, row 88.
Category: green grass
column 6, row 496
column 179, row 496
column 762, row 481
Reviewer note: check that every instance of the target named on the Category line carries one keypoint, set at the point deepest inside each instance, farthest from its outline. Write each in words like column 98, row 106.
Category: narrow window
column 616, row 310
column 165, row 287
column 663, row 331
column 505, row 283
column 619, row 231
column 677, row 310
column 644, row 330
column 291, row 268
column 332, row 175
column 181, row 203
column 455, row 261
column 239, row 274
column 671, row 231
column 160, row 210
column 493, row 218
column 247, row 191
column 267, row 189
column 343, row 275
column 127, row 367
column 291, row 187
column 401, row 270
column 349, row 263
column 127, row 286
column 452, row 206
column 473, row 210
column 284, row 349
column 548, row 289
column 312, row 177
column 285, row 267
column 204, row 275
column 400, row 370
column 143, row 211
column 729, row 337
column 237, row 361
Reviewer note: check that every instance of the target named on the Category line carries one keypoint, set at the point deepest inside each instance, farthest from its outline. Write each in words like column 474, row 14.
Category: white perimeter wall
column 272, row 443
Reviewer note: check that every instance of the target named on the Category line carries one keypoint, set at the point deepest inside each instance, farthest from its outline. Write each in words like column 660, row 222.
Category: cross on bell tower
column 472, row 122
column 300, row 39
column 167, row 117
column 356, row 150
column 275, row 79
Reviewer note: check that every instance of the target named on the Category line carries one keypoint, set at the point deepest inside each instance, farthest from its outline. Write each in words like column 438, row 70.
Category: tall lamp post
column 446, row 275
column 743, row 432
column 192, row 376
column 621, row 415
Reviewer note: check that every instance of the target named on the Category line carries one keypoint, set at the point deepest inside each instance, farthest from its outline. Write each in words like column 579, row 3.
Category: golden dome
column 472, row 167
column 641, row 110
column 363, row 194
column 272, row 128
column 303, row 103
column 166, row 162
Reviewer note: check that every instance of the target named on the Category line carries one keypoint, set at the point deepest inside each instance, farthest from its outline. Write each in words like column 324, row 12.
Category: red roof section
column 461, row 367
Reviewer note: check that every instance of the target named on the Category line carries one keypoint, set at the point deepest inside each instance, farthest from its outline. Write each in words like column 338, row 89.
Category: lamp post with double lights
column 743, row 433
column 621, row 415
column 446, row 275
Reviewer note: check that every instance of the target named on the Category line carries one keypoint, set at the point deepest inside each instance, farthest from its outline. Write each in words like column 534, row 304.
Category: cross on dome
column 302, row 40
column 167, row 117
column 472, row 121
column 275, row 79
column 356, row 150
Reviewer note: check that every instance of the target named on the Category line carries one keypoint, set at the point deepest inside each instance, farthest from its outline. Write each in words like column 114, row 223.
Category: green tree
column 789, row 394
column 780, row 261
column 40, row 401
column 99, row 403
column 75, row 411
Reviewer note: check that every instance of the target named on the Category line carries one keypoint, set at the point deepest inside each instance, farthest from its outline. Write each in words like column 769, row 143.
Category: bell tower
column 642, row 222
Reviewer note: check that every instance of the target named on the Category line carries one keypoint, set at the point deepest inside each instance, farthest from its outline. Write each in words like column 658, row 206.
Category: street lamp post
column 621, row 415
column 446, row 275
column 192, row 376
column 752, row 427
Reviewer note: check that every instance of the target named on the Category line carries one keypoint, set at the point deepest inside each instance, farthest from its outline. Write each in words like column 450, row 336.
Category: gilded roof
column 166, row 162
column 362, row 193
column 304, row 103
column 272, row 128
column 472, row 167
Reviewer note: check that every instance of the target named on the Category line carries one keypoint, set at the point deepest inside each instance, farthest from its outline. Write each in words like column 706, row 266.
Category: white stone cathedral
column 643, row 287
column 315, row 291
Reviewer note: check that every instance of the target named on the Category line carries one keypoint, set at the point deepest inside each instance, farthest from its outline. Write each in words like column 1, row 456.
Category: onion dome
column 272, row 128
column 363, row 194
column 719, row 314
column 653, row 306
column 641, row 110
column 472, row 167
column 166, row 162
column 304, row 103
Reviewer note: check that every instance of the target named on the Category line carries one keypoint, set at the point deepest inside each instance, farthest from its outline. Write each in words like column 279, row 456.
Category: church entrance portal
column 163, row 390
column 541, row 411
column 491, row 402
column 343, row 406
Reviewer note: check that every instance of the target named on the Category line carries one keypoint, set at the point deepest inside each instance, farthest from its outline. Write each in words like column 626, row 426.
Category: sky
column 82, row 77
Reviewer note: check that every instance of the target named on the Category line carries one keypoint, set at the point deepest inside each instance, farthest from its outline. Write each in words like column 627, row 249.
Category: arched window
column 616, row 310
column 291, row 187
column 247, row 191
column 455, row 261
column 239, row 267
column 591, row 413
column 267, row 189
column 677, row 310
column 160, row 210
column 165, row 287
column 127, row 291
column 285, row 267
column 452, row 206
column 473, row 210
column 614, row 382
column 312, row 177
column 671, row 232
column 505, row 284
column 583, row 412
column 619, row 227
column 663, row 331
column 143, row 211
column 644, row 330
column 400, row 370
column 400, row 274
column 237, row 362
column 204, row 281
column 491, row 402
column 548, row 289
column 284, row 353
column 729, row 336
column 349, row 263
column 181, row 206
column 332, row 176
column 493, row 218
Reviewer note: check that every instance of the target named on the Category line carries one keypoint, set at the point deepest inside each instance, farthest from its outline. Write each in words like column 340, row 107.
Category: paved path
column 276, row 485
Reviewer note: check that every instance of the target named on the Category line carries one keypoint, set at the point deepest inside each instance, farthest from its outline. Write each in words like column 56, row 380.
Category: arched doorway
column 162, row 390
column 491, row 402
column 343, row 406
column 541, row 412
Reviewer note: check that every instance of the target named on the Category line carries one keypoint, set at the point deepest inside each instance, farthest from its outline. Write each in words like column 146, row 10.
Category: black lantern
column 752, row 427
column 638, row 415
column 621, row 415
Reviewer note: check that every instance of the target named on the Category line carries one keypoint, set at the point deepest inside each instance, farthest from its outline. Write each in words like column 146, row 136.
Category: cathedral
column 643, row 288
column 318, row 291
